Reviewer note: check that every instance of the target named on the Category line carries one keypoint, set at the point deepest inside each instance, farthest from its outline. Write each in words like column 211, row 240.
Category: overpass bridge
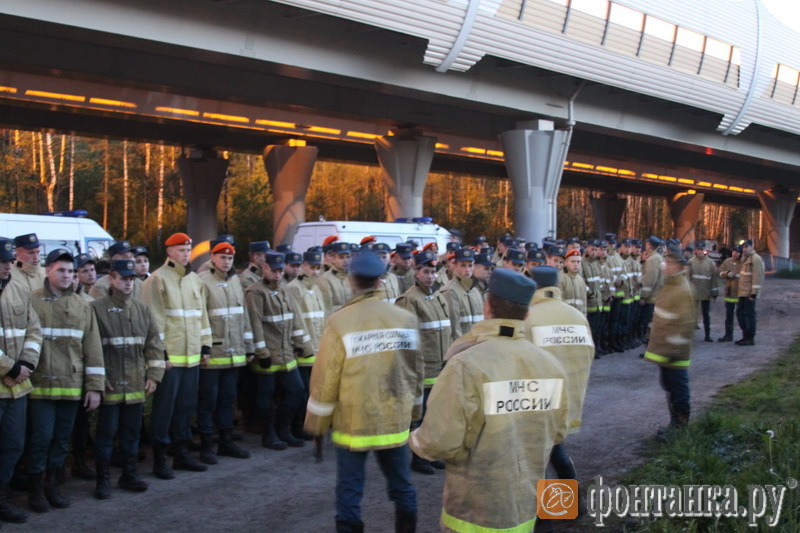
column 688, row 103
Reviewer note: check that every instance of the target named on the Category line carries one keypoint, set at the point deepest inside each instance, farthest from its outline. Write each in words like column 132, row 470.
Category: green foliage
column 789, row 273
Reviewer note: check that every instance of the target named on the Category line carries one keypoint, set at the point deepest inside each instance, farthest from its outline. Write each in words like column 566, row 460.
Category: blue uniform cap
column 536, row 255
column 425, row 257
column 340, row 248
column 381, row 247
column 27, row 241
column 123, row 267
column 557, row 251
column 511, row 286
column 225, row 237
column 119, row 248
column 465, row 254
column 259, row 246
column 545, row 276
column 484, row 259
column 82, row 259
column 655, row 241
column 367, row 265
column 294, row 258
column 275, row 260
column 452, row 246
column 403, row 249
column 59, row 254
column 7, row 249
column 674, row 253
column 313, row 257
column 515, row 256
column 283, row 248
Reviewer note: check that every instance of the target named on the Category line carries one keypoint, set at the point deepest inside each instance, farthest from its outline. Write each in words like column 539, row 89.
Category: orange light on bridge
column 607, row 169
column 361, row 135
column 750, row 191
column 177, row 111
column 320, row 129
column 56, row 96
column 668, row 178
column 703, row 184
column 686, row 181
column 473, row 150
column 737, row 189
column 10, row 90
column 718, row 186
column 226, row 118
column 442, row 146
column 650, row 176
column 275, row 123
column 582, row 165
column 623, row 172
column 495, row 153
column 114, row 103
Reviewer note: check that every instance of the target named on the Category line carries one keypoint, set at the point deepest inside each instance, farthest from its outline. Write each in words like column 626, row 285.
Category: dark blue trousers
column 217, row 394
column 125, row 417
column 51, row 424
column 174, row 405
column 12, row 435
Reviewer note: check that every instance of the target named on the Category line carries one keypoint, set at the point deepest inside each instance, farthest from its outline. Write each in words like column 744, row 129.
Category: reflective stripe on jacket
column 434, row 327
column 703, row 275
column 673, row 324
column 492, row 417
column 390, row 287
column 20, row 335
column 305, row 297
column 176, row 299
column 335, row 289
column 464, row 304
column 573, row 290
column 729, row 271
column 367, row 381
column 652, row 277
column 72, row 356
column 132, row 348
column 751, row 275
column 231, row 333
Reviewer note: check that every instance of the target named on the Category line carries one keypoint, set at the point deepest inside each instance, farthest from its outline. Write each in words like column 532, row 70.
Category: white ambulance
column 67, row 229
column 422, row 230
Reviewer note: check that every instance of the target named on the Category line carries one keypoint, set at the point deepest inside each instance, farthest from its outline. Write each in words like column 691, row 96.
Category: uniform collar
column 27, row 268
column 222, row 276
column 547, row 293
column 178, row 268
column 467, row 283
column 498, row 327
column 49, row 290
column 376, row 293
column 119, row 298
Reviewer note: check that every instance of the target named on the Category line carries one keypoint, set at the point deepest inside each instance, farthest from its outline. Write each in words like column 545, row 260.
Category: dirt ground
column 285, row 491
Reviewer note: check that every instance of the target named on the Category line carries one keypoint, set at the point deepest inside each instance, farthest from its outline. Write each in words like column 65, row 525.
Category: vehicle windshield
column 97, row 248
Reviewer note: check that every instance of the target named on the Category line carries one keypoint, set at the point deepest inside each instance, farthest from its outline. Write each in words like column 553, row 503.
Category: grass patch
column 730, row 445
column 788, row 273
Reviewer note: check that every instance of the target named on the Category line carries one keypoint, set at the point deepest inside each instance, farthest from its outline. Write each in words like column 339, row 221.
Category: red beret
column 571, row 253
column 430, row 245
column 177, row 239
column 224, row 248
column 329, row 240
column 368, row 238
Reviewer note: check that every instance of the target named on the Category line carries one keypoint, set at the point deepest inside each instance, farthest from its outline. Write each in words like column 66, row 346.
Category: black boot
column 52, row 492
column 183, row 460
column 207, row 454
column 229, row 448
column 708, row 336
column 269, row 439
column 102, row 487
column 130, row 480
column 423, row 466
column 80, row 469
column 349, row 527
column 283, row 433
column 36, row 499
column 161, row 468
column 8, row 511
column 405, row 522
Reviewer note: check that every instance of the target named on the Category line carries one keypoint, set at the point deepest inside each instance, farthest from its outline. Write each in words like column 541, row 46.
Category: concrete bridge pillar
column 405, row 160
column 289, row 168
column 608, row 209
column 778, row 205
column 202, row 176
column 685, row 210
column 534, row 156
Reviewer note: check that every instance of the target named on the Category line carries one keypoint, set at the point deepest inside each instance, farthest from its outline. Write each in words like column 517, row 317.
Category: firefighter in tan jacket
column 670, row 345
column 20, row 345
column 333, row 284
column 430, row 308
column 729, row 273
column 367, row 387
column 27, row 269
column 464, row 302
column 495, row 412
column 388, row 280
column 652, row 281
column 175, row 296
column 231, row 346
column 402, row 266
column 133, row 356
column 751, row 277
column 564, row 332
column 279, row 339
column 70, row 364
column 571, row 283
column 703, row 275
column 116, row 252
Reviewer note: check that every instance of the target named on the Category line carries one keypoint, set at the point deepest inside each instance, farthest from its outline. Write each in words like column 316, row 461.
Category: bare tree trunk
column 125, row 189
column 71, row 172
column 63, row 152
column 146, row 183
column 105, row 186
column 160, row 212
column 50, row 185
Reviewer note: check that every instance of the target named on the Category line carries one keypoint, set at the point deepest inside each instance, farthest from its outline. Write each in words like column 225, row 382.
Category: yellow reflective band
column 731, row 300
column 307, row 360
column 429, row 381
column 592, row 309
column 661, row 359
column 456, row 524
column 184, row 360
column 627, row 301
column 619, row 293
column 55, row 391
column 637, row 298
column 291, row 365
column 606, row 308
column 364, row 441
column 127, row 396
column 232, row 360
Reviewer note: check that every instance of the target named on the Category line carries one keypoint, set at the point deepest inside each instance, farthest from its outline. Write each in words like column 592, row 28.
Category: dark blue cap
column 381, row 247
column 738, row 248
column 748, row 242
column 82, row 259
column 28, row 241
column 414, row 244
column 480, row 239
column 700, row 245
column 225, row 237
column 626, row 242
column 59, row 254
column 294, row 258
column 283, row 248
column 593, row 242
column 511, row 286
column 403, row 249
column 674, row 253
column 366, row 246
column 313, row 257
column 484, row 259
column 465, row 254
column 426, row 257
column 354, row 246
column 367, row 265
column 545, row 276
column 141, row 250
column 315, row 249
column 340, row 248
column 452, row 246
column 557, row 251
column 636, row 242
column 515, row 256
column 573, row 240
column 531, row 245
column 536, row 255
column 655, row 241
column 7, row 249
column 275, row 260
column 119, row 248
column 123, row 267
column 673, row 241
column 259, row 246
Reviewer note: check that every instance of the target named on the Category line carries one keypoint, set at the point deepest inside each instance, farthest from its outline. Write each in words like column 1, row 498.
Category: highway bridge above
column 696, row 101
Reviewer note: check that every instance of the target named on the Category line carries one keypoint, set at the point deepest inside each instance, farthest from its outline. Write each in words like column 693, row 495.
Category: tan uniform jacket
column 335, row 289
column 464, row 304
column 176, row 298
column 673, row 324
column 367, row 382
column 573, row 290
column 391, row 287
column 31, row 276
column 751, row 275
column 614, row 264
column 564, row 332
column 250, row 275
column 101, row 286
column 132, row 348
column 231, row 333
column 21, row 339
column 729, row 272
column 652, row 277
column 72, row 356
column 624, row 283
column 277, row 328
column 493, row 421
column 703, row 275
column 405, row 280
column 305, row 298
column 635, row 276
column 434, row 327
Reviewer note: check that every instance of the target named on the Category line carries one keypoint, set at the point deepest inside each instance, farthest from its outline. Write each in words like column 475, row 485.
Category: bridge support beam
column 405, row 160
column 202, row 176
column 534, row 156
column 685, row 210
column 778, row 205
column 289, row 169
column 608, row 210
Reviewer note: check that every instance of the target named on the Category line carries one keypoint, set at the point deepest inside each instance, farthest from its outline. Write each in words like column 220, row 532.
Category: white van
column 60, row 230
column 423, row 231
